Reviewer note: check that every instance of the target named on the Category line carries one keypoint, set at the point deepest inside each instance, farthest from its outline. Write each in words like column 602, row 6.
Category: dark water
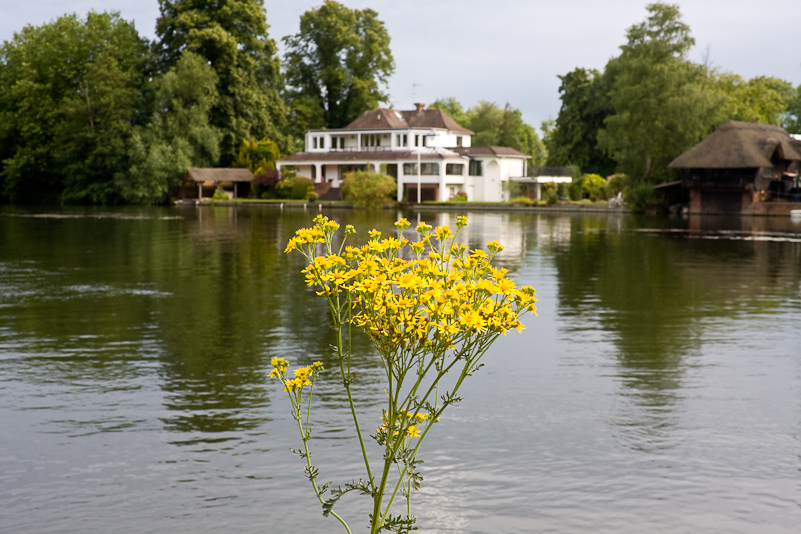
column 658, row 391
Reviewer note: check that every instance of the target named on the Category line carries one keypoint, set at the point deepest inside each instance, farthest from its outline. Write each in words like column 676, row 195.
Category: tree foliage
column 336, row 66
column 652, row 103
column 232, row 37
column 179, row 134
column 585, row 106
column 69, row 101
column 258, row 156
column 496, row 126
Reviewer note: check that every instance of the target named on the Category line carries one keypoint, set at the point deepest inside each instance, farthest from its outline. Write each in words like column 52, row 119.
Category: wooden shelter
column 235, row 182
column 738, row 165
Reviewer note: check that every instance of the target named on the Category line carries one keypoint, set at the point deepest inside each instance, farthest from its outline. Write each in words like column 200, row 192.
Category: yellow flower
column 413, row 432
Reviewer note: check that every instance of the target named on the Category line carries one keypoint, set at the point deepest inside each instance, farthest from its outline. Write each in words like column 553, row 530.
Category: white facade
column 425, row 150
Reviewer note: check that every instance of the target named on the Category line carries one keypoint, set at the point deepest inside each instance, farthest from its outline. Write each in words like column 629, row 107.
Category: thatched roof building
column 739, row 165
column 739, row 145
column 235, row 182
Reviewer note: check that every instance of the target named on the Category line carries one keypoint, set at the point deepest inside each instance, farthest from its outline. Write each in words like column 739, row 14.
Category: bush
column 220, row 194
column 461, row 196
column 615, row 184
column 640, row 196
column 521, row 200
column 367, row 189
column 591, row 186
column 552, row 199
column 301, row 187
column 311, row 196
column 264, row 183
column 548, row 189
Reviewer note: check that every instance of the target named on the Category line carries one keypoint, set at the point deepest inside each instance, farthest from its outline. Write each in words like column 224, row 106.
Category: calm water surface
column 658, row 391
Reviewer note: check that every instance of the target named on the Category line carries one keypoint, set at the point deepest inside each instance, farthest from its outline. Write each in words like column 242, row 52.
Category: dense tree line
column 90, row 112
column 651, row 103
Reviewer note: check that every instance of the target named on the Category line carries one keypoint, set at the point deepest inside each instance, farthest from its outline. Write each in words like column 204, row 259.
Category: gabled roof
column 489, row 151
column 364, row 155
column 219, row 175
column 394, row 119
column 739, row 145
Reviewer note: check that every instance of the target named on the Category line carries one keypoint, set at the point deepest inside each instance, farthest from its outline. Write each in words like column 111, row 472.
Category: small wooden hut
column 203, row 182
column 738, row 165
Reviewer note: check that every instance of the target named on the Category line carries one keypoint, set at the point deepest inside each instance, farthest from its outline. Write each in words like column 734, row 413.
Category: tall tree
column 232, row 36
column 792, row 119
column 574, row 138
column 178, row 136
column 337, row 66
column 69, row 101
column 662, row 103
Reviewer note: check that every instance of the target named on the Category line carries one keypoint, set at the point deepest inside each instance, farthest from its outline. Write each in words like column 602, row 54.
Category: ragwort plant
column 430, row 316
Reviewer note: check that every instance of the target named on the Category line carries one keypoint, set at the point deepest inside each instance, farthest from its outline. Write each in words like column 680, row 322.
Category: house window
column 454, row 169
column 405, row 140
column 429, row 169
column 322, row 142
column 410, row 169
column 341, row 142
column 475, row 168
column 458, row 140
column 314, row 142
column 398, row 140
column 377, row 140
column 416, row 140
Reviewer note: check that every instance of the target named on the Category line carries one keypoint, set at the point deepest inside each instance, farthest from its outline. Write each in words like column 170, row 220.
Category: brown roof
column 219, row 175
column 738, row 145
column 489, row 151
column 393, row 119
column 362, row 155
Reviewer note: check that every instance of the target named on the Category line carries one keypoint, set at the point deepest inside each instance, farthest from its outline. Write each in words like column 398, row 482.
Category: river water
column 658, row 390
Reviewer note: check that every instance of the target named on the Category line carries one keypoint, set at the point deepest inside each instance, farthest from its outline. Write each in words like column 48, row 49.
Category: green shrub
column 615, row 184
column 461, row 196
column 552, row 198
column 521, row 200
column 640, row 196
column 301, row 186
column 311, row 196
column 367, row 189
column 220, row 194
column 548, row 189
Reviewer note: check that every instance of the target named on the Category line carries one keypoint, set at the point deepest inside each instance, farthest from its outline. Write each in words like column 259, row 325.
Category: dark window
column 475, row 168
column 454, row 169
column 429, row 169
column 322, row 142
column 410, row 169
column 459, row 140
column 416, row 140
column 341, row 142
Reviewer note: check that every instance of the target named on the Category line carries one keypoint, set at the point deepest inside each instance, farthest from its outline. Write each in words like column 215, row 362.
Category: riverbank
column 426, row 206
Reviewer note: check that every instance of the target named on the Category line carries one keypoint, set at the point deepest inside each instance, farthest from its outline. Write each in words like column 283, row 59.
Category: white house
column 425, row 150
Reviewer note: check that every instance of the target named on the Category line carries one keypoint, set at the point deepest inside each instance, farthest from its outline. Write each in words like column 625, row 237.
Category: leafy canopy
column 336, row 66
column 232, row 37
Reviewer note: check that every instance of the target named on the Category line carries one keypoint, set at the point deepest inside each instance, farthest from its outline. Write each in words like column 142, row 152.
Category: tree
column 792, row 119
column 179, row 135
column 762, row 99
column 574, row 138
column 258, row 156
column 496, row 126
column 232, row 37
column 452, row 108
column 662, row 103
column 336, row 66
column 69, row 101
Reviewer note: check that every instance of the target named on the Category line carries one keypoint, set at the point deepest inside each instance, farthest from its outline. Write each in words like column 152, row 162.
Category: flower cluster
column 304, row 376
column 430, row 302
column 407, row 425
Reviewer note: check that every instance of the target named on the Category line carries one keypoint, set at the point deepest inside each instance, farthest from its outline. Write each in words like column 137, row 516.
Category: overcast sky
column 506, row 51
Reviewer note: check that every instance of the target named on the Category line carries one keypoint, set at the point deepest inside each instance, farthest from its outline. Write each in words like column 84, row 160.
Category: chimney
column 419, row 106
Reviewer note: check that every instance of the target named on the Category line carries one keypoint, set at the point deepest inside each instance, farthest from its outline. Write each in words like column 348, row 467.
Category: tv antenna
column 414, row 92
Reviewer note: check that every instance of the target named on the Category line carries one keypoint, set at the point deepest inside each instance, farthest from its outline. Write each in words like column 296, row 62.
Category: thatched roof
column 738, row 145
column 219, row 175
